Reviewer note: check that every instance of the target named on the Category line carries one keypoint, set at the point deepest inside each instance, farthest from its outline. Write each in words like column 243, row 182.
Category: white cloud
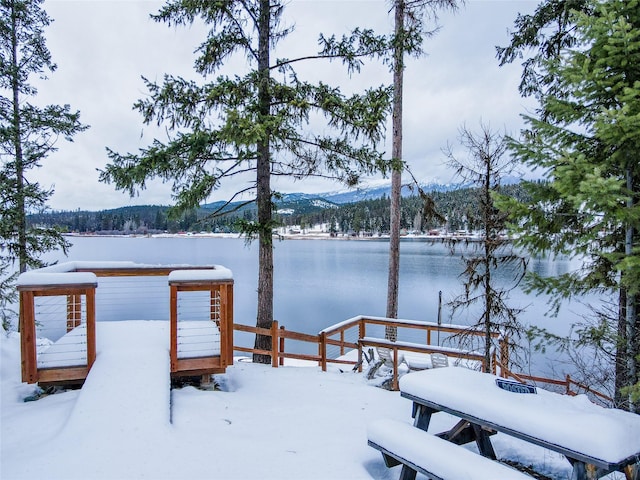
column 103, row 47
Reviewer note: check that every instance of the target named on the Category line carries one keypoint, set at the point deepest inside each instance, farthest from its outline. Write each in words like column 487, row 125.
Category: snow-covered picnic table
column 594, row 439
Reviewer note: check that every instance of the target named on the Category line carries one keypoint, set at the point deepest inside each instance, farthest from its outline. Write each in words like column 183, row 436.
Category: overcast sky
column 102, row 48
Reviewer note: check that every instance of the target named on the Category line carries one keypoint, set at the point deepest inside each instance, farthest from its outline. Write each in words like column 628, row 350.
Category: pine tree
column 255, row 122
column 27, row 133
column 485, row 168
column 585, row 139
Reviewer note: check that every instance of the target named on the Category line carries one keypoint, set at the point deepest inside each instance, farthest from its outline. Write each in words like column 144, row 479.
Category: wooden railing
column 566, row 384
column 278, row 336
column 75, row 293
column 351, row 335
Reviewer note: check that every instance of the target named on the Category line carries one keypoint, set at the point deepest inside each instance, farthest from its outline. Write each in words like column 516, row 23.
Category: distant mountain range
column 354, row 195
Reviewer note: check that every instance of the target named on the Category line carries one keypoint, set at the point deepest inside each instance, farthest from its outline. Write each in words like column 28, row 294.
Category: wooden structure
column 77, row 290
column 72, row 288
column 219, row 309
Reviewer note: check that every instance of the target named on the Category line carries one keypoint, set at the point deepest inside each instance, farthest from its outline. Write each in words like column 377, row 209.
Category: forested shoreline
column 367, row 216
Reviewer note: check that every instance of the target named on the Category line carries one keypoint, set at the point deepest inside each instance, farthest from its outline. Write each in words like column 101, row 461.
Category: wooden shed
column 60, row 307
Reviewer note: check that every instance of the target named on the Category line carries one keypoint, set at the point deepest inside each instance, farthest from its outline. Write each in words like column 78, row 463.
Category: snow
column 291, row 422
column 399, row 321
column 68, row 351
column 198, row 339
column 38, row 278
column 66, row 273
column 559, row 419
column 425, row 449
column 216, row 273
column 65, row 267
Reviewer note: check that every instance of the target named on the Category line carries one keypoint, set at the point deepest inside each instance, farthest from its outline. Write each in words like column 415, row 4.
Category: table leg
column 484, row 442
column 579, row 471
column 407, row 473
column 421, row 416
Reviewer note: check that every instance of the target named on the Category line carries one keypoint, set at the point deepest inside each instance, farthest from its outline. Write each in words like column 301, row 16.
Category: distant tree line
column 459, row 207
column 363, row 217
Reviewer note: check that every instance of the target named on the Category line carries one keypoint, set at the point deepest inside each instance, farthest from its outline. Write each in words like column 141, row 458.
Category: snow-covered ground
column 292, row 422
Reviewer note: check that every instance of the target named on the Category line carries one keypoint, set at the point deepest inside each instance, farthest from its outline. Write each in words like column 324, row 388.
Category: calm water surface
column 322, row 282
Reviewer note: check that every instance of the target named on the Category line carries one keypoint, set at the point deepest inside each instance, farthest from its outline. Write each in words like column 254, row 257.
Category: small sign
column 515, row 387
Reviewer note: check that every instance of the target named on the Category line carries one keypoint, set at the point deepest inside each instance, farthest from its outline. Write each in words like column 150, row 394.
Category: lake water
column 322, row 282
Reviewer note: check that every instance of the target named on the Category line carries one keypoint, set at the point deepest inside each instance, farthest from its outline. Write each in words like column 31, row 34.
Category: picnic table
column 595, row 440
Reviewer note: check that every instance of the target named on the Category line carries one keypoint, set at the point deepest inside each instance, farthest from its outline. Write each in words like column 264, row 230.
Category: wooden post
column 28, row 337
column 220, row 319
column 323, row 351
column 90, row 295
column 395, row 368
column 173, row 327
column 341, row 342
column 282, row 345
column 274, row 344
column 428, row 336
column 494, row 367
column 362, row 329
column 74, row 311
column 228, row 316
column 568, row 390
column 215, row 315
column 504, row 352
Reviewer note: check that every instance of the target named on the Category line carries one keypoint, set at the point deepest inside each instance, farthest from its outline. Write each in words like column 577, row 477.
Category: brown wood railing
column 340, row 335
column 567, row 383
column 80, row 291
column 278, row 336
column 350, row 335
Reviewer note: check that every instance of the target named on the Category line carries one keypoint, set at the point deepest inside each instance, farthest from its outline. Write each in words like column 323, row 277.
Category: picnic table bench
column 595, row 440
column 438, row 459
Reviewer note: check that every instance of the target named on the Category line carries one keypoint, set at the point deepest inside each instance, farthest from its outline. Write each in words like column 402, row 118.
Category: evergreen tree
column 585, row 138
column 485, row 168
column 254, row 122
column 27, row 133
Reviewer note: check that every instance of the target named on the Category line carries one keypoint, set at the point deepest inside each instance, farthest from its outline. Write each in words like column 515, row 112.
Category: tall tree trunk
column 488, row 261
column 396, row 176
column 263, row 194
column 621, row 352
column 21, row 227
column 631, row 313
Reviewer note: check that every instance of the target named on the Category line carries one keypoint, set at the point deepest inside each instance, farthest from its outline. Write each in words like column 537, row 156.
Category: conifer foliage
column 255, row 124
column 585, row 139
column 28, row 133
column 486, row 166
